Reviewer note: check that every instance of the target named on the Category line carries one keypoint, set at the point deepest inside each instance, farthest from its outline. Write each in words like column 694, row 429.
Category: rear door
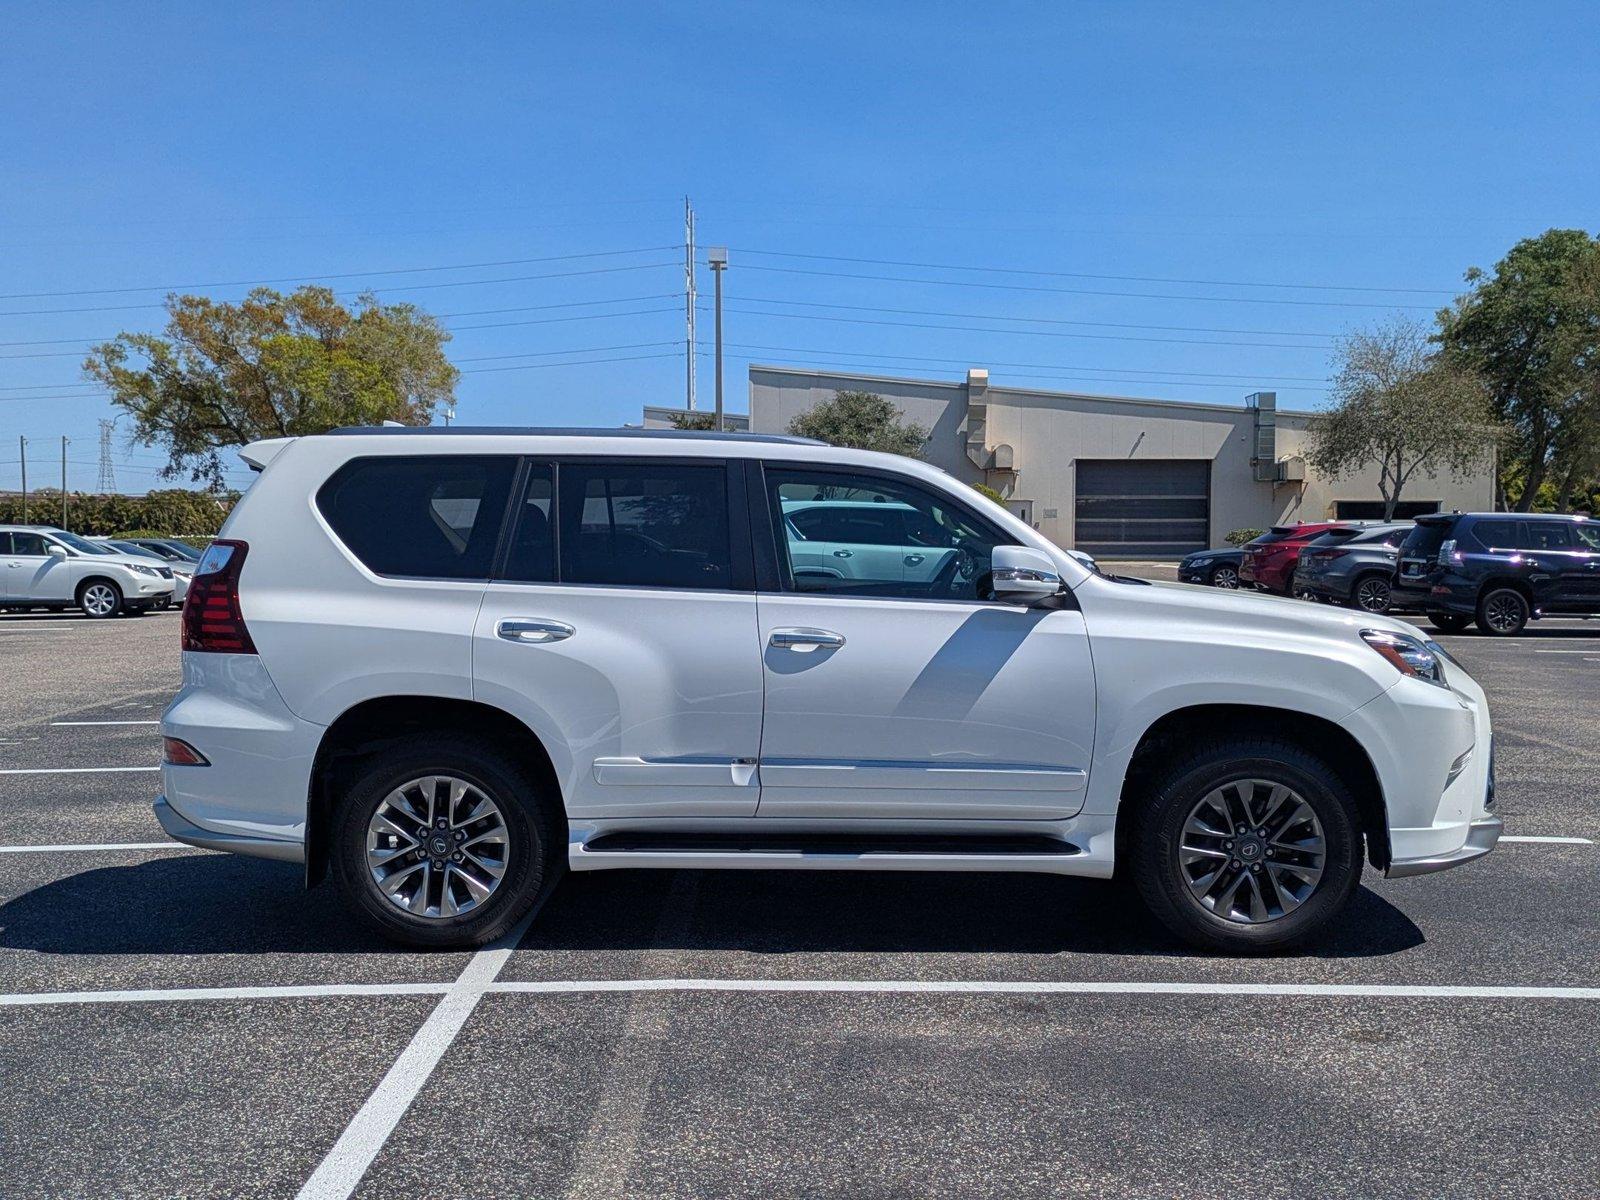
column 621, row 628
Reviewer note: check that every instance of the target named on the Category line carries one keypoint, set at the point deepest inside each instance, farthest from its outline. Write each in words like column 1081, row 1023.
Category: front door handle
column 532, row 630
column 913, row 559
column 806, row 640
column 844, row 553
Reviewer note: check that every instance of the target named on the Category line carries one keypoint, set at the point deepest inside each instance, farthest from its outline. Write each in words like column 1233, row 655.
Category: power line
column 579, row 363
column 1021, row 287
column 408, row 287
column 1105, row 337
column 475, row 266
column 889, row 262
column 926, row 312
column 579, row 350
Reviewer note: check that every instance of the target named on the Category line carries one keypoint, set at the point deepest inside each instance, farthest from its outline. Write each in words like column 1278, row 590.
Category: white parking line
column 176, row 995
column 63, row 724
column 340, row 1172
column 69, row 847
column 1549, row 841
column 1588, row 651
column 363, row 1138
column 71, row 770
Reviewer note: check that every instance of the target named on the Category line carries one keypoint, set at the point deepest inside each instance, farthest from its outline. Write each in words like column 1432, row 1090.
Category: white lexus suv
column 517, row 650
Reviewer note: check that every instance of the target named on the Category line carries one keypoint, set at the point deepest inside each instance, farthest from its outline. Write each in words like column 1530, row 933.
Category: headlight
column 1410, row 656
column 142, row 570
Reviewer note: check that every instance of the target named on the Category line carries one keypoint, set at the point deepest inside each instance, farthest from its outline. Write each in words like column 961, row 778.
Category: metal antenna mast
column 107, row 481
column 689, row 297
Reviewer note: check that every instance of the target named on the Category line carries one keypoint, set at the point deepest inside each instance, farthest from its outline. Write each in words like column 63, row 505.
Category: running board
column 823, row 851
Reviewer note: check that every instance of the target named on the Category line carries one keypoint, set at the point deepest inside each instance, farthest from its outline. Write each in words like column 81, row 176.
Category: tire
column 99, row 598
column 1449, row 622
column 1224, row 576
column 1292, row 588
column 1503, row 612
column 1185, row 790
column 526, row 847
column 1372, row 594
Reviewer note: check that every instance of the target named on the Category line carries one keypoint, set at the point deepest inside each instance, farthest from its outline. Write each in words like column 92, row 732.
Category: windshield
column 81, row 545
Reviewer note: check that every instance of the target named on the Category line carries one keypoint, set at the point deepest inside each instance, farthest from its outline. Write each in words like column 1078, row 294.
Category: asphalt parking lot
column 181, row 1023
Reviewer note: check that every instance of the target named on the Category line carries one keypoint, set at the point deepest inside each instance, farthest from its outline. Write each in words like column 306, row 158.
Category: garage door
column 1157, row 508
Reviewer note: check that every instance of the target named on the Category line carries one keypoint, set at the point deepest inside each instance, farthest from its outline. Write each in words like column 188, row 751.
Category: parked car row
column 45, row 567
column 1498, row 570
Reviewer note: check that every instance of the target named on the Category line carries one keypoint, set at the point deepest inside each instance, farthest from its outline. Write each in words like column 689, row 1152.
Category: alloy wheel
column 1373, row 595
column 1225, row 577
column 99, row 600
column 1252, row 851
column 437, row 847
column 1505, row 612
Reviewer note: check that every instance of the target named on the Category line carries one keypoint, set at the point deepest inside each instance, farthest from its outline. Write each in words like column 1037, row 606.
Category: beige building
column 1115, row 475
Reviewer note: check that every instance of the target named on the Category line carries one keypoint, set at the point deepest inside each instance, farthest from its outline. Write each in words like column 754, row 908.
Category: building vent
column 1264, row 450
column 1291, row 469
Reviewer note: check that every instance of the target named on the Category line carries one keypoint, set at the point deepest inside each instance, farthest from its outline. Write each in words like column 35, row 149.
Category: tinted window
column 29, row 543
column 531, row 557
column 425, row 517
column 895, row 538
column 5, row 542
column 1495, row 535
column 1545, row 535
column 1424, row 541
column 1586, row 536
column 648, row 525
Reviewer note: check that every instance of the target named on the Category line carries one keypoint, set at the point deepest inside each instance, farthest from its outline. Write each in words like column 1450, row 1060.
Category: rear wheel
column 1372, row 594
column 1246, row 846
column 1225, row 576
column 1503, row 612
column 1449, row 622
column 442, row 841
column 99, row 598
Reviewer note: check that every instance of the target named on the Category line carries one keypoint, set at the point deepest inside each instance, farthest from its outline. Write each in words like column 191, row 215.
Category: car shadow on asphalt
column 224, row 904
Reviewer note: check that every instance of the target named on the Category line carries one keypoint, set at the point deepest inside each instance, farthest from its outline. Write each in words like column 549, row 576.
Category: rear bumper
column 181, row 829
column 1482, row 835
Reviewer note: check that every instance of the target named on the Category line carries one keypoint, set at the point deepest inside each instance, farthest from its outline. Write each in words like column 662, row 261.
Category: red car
column 1270, row 560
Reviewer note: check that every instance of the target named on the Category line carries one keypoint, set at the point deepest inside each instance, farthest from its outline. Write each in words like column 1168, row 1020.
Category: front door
column 897, row 698
column 36, row 574
column 622, row 630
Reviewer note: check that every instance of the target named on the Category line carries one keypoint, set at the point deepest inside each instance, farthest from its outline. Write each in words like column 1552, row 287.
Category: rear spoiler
column 258, row 454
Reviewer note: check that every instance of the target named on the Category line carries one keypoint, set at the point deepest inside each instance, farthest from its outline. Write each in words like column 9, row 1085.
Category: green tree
column 271, row 366
column 1531, row 330
column 1402, row 407
column 693, row 420
column 861, row 421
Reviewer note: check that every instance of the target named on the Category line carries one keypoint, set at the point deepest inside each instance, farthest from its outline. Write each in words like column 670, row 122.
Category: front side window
column 1586, row 536
column 427, row 517
column 869, row 535
column 645, row 524
column 29, row 543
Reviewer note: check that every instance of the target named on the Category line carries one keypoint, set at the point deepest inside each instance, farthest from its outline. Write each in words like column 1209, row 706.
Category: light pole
column 717, row 260
column 22, row 454
column 63, row 481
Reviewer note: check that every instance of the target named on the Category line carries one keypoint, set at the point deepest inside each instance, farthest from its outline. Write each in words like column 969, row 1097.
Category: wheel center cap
column 439, row 845
column 1250, row 851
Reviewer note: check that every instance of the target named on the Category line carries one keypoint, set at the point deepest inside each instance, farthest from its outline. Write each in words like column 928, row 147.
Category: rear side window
column 645, row 524
column 1545, row 535
column 429, row 517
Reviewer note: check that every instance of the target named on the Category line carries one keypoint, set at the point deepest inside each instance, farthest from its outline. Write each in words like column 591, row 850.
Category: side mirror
column 57, row 549
column 1023, row 575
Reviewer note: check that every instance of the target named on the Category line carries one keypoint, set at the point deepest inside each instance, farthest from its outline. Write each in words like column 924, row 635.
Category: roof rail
column 688, row 435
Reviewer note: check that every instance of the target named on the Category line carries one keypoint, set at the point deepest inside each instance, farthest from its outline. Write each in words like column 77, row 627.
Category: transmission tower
column 107, row 482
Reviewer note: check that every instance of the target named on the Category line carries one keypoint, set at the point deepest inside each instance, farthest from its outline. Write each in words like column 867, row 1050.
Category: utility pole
column 689, row 299
column 63, row 481
column 22, row 453
column 717, row 260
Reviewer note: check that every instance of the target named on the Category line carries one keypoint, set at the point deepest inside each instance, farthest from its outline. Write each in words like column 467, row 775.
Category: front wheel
column 99, row 598
column 1373, row 594
column 1225, row 577
column 442, row 841
column 1246, row 847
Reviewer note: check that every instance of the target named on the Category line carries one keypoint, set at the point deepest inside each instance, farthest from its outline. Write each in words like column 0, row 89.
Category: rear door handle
column 532, row 630
column 806, row 640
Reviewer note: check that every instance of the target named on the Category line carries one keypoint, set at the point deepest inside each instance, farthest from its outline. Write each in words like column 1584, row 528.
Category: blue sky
column 1136, row 164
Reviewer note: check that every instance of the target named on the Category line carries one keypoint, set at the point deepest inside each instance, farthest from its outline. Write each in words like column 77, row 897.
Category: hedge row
column 175, row 511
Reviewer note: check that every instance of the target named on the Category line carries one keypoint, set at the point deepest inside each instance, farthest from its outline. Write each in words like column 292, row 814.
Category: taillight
column 212, row 619
column 179, row 753
column 1331, row 553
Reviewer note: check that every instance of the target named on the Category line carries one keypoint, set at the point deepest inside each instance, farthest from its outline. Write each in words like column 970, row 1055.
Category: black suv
column 1500, row 569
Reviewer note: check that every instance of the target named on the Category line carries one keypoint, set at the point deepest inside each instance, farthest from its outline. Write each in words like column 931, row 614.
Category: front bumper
column 1482, row 835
